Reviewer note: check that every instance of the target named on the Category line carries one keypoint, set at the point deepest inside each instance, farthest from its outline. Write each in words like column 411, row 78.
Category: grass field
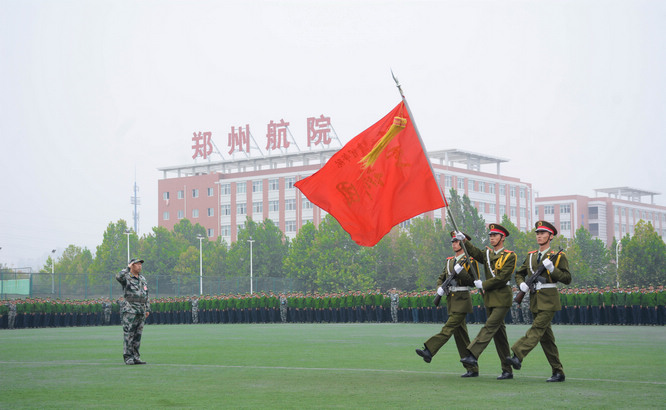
column 313, row 366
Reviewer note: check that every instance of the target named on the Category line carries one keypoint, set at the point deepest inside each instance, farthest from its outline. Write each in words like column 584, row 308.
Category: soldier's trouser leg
column 540, row 332
column 461, row 337
column 132, row 329
column 494, row 325
column 437, row 341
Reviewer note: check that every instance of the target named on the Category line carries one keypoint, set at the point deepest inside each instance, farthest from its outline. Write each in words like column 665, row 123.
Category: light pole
column 128, row 232
column 618, row 248
column 251, row 241
column 53, row 272
column 200, row 238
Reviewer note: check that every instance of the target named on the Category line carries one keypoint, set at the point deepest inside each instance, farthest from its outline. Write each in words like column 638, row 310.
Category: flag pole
column 448, row 208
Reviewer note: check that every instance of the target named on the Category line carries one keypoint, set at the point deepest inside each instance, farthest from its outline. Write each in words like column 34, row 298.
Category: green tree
column 643, row 257
column 268, row 250
column 73, row 260
column 341, row 263
column 394, row 260
column 298, row 263
column 161, row 250
column 111, row 255
column 590, row 260
column 432, row 245
column 467, row 218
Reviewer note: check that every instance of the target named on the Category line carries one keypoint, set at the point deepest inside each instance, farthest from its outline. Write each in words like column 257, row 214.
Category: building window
column 289, row 182
column 181, row 214
column 195, row 213
column 470, row 185
column 273, row 206
column 241, row 208
column 165, row 195
column 211, row 192
column 225, row 189
column 211, row 212
column 617, row 228
column 502, row 190
column 502, row 210
column 225, row 230
column 565, row 225
column 165, row 216
column 513, row 211
column 273, row 184
column 492, row 209
column 447, row 181
column 290, row 226
column 211, row 232
column 461, row 184
column 257, row 207
column 512, row 191
column 548, row 209
column 290, row 205
column 491, row 188
column 195, row 193
column 593, row 213
column 257, row 186
column 522, row 212
column 522, row 193
column 181, row 194
column 565, row 209
column 306, row 204
column 482, row 186
column 594, row 229
column 225, row 210
column 241, row 187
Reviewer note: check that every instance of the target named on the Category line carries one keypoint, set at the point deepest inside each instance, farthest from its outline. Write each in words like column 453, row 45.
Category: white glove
column 524, row 287
column 457, row 268
column 440, row 291
column 478, row 284
column 460, row 236
column 549, row 265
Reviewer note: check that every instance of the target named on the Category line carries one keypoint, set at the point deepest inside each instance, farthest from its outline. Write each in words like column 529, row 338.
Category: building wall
column 614, row 217
column 269, row 193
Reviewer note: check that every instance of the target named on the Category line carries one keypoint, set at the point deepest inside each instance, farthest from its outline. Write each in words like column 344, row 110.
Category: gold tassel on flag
column 398, row 125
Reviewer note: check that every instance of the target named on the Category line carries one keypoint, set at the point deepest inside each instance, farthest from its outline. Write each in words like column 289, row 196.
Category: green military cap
column 497, row 228
column 545, row 226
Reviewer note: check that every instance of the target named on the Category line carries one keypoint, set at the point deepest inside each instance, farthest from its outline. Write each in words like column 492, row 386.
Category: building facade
column 612, row 216
column 220, row 196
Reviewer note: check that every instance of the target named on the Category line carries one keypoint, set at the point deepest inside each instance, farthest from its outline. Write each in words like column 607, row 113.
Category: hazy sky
column 573, row 93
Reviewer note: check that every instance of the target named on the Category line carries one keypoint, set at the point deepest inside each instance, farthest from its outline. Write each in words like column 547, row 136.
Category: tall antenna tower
column 136, row 201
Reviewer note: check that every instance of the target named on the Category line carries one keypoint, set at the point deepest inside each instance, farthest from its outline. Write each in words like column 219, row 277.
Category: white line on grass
column 326, row 369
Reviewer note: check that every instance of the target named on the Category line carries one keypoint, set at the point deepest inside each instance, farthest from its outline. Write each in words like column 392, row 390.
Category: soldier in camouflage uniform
column 135, row 309
column 283, row 308
column 195, row 310
column 394, row 305
column 106, row 307
column 11, row 316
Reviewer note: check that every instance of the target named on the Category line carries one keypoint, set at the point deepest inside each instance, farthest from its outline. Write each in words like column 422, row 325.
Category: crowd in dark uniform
column 589, row 306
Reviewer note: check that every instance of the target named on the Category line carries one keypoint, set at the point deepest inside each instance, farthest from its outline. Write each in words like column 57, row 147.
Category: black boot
column 556, row 377
column 425, row 354
column 514, row 361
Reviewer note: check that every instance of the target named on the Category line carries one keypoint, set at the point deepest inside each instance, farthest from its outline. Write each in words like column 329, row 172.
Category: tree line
column 325, row 259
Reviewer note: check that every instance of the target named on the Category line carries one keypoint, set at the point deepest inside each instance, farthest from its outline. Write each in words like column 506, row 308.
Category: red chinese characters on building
column 318, row 130
column 276, row 135
column 202, row 144
column 239, row 140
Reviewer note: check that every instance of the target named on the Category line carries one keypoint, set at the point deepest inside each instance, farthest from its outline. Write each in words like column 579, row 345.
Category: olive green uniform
column 459, row 304
column 543, row 304
column 497, row 298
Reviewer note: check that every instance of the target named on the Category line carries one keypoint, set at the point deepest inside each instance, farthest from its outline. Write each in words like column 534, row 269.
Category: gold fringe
column 398, row 125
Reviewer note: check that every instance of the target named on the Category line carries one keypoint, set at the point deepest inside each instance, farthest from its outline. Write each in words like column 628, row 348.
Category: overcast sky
column 572, row 93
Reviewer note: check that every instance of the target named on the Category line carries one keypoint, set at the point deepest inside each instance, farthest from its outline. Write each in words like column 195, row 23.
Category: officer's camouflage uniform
column 133, row 312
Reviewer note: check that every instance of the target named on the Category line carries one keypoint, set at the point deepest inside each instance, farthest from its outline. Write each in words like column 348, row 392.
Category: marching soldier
column 544, row 302
column 459, row 304
column 135, row 309
column 498, row 264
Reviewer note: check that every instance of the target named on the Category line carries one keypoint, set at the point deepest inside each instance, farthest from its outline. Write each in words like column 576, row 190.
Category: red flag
column 391, row 185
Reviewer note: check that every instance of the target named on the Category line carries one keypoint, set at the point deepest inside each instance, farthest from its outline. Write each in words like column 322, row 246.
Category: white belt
column 459, row 288
column 545, row 285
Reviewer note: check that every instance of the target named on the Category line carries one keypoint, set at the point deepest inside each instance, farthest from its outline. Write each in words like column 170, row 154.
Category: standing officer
column 459, row 304
column 135, row 309
column 394, row 305
column 498, row 264
column 544, row 302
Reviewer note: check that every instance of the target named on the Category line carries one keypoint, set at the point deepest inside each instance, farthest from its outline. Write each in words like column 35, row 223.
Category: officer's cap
column 545, row 226
column 135, row 260
column 497, row 228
